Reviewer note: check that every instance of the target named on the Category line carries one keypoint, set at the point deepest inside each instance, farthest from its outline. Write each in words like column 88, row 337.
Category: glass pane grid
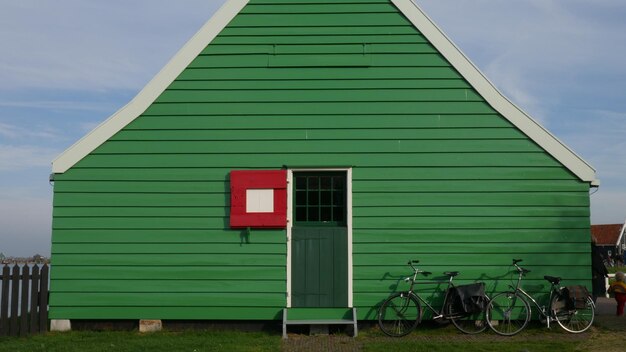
column 319, row 199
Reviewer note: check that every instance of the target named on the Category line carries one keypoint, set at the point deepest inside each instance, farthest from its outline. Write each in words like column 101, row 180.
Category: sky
column 67, row 65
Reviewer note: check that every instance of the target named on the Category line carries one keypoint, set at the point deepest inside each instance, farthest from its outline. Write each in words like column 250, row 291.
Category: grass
column 192, row 341
column 606, row 336
column 615, row 269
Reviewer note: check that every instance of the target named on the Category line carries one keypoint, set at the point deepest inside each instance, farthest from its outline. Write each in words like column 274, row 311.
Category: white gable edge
column 621, row 234
column 412, row 11
column 152, row 90
column 492, row 95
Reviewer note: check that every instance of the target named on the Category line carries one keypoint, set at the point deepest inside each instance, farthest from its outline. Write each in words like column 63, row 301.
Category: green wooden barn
column 296, row 154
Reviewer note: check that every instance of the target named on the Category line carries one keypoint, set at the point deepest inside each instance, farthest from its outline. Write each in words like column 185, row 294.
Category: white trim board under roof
column 412, row 11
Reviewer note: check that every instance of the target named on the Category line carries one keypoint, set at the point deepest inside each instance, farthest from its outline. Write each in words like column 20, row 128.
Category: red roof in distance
column 606, row 234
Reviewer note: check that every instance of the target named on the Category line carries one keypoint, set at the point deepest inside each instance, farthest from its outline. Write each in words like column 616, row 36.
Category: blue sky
column 67, row 65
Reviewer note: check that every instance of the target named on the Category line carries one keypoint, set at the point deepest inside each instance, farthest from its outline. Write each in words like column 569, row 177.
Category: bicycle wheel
column 469, row 323
column 574, row 320
column 399, row 314
column 508, row 313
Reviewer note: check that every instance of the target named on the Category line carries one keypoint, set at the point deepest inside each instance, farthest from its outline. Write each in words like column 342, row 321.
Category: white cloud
column 15, row 158
column 16, row 132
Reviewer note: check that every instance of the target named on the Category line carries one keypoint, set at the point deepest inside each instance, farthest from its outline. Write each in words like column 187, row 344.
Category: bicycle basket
column 577, row 296
column 471, row 297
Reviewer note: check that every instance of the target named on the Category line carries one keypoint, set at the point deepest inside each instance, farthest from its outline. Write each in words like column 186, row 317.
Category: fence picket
column 43, row 299
column 15, row 296
column 4, row 306
column 24, row 301
column 34, row 300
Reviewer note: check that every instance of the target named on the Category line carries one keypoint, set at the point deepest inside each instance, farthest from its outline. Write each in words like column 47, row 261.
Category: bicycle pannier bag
column 577, row 296
column 472, row 297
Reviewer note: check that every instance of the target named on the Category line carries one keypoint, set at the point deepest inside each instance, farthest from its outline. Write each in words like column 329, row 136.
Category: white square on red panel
column 259, row 201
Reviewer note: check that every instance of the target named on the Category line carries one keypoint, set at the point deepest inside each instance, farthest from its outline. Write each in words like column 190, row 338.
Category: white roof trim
column 152, row 90
column 419, row 19
column 621, row 234
column 491, row 94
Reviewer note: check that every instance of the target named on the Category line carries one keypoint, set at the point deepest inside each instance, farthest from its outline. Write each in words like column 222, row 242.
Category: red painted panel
column 243, row 180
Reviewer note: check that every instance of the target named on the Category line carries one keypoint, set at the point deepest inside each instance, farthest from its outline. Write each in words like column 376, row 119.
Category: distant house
column 296, row 154
column 610, row 238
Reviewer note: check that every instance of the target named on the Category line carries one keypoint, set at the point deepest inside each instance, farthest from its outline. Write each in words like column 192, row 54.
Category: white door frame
column 348, row 172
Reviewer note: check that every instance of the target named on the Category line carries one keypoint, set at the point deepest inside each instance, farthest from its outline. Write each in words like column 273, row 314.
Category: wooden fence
column 24, row 300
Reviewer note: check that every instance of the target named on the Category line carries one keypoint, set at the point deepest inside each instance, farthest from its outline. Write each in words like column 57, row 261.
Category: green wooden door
column 319, row 241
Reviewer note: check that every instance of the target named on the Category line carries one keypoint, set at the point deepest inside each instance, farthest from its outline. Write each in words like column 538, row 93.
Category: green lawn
column 605, row 337
column 192, row 341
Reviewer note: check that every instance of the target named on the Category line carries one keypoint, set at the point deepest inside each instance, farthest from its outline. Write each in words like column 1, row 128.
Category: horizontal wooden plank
column 257, row 236
column 368, row 73
column 206, row 212
column 457, row 260
column 170, row 248
column 319, row 134
column 320, row 60
column 265, row 96
column 171, row 313
column 469, row 222
column 509, row 235
column 235, row 123
column 309, row 31
column 164, row 272
column 168, row 286
column 574, row 199
column 491, row 286
column 328, row 8
column 359, row 174
column 289, row 147
column 378, row 48
column 473, row 272
column 417, row 249
column 467, row 185
column 180, row 299
column 274, row 161
column 357, row 186
column 256, row 35
column 315, row 20
column 149, row 187
column 331, row 108
column 371, row 84
column 141, row 223
column 170, row 259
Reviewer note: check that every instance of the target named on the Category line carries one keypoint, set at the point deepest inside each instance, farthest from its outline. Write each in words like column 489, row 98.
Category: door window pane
column 319, row 198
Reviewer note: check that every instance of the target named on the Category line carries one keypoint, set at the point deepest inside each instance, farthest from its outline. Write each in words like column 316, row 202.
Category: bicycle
column 402, row 312
column 509, row 312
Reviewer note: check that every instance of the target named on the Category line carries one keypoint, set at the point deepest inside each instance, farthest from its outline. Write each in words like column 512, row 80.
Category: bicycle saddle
column 451, row 273
column 552, row 279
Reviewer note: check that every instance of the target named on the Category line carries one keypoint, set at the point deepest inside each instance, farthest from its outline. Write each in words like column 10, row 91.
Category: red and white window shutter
column 258, row 198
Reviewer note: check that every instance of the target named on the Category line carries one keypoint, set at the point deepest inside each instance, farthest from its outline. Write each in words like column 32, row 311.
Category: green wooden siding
column 140, row 227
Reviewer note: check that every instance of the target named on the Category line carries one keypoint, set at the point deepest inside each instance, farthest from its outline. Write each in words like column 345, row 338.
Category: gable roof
column 608, row 234
column 409, row 9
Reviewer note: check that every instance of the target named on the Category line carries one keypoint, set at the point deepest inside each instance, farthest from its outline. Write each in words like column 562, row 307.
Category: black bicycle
column 509, row 312
column 463, row 305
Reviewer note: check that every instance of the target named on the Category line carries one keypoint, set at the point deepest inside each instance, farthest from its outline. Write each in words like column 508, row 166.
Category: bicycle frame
column 541, row 309
column 439, row 314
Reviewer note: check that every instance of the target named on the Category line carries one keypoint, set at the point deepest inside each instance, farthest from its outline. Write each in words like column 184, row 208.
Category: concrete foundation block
column 150, row 325
column 60, row 325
